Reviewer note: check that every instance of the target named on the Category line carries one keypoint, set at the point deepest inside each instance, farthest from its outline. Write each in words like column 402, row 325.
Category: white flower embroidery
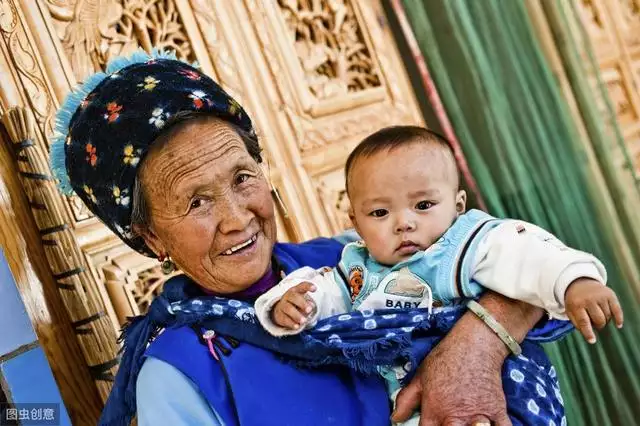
column 121, row 196
column 158, row 118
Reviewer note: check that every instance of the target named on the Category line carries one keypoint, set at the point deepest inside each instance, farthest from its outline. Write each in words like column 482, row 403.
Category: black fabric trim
column 277, row 267
column 233, row 398
column 343, row 275
column 464, row 252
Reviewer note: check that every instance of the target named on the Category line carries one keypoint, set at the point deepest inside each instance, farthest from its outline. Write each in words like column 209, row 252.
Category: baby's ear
column 352, row 217
column 461, row 201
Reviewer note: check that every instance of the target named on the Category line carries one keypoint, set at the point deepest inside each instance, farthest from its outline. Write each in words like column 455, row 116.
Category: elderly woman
column 171, row 164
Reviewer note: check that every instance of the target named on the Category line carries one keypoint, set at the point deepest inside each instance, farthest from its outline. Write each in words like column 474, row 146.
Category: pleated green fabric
column 524, row 148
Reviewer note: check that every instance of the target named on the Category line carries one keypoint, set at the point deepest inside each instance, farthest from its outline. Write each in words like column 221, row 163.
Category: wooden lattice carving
column 330, row 46
column 94, row 31
column 148, row 285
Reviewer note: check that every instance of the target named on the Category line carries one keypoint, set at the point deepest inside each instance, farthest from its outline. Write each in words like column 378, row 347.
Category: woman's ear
column 150, row 237
column 461, row 202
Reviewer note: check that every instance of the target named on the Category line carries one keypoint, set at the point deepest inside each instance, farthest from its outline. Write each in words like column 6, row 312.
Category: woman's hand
column 459, row 382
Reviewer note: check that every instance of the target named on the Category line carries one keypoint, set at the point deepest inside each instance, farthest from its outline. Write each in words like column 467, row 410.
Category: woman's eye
column 241, row 178
column 424, row 205
column 196, row 203
column 378, row 213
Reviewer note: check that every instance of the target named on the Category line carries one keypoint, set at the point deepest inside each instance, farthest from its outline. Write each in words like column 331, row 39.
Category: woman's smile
column 245, row 247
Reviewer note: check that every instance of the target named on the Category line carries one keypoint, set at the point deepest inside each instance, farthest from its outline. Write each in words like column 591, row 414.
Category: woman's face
column 210, row 206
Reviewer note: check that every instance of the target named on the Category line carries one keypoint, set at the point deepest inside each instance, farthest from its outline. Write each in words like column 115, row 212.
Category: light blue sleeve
column 165, row 396
column 348, row 236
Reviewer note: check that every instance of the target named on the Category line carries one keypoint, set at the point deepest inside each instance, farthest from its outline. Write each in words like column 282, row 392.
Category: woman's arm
column 165, row 396
column 460, row 380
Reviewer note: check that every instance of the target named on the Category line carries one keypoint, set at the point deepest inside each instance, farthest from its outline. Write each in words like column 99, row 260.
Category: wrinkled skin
column 206, row 195
column 460, row 383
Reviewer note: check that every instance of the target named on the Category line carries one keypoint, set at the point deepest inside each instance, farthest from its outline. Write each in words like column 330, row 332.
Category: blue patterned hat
column 105, row 128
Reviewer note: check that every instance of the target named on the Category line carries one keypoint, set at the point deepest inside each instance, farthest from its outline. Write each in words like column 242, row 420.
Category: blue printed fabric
column 361, row 340
column 367, row 340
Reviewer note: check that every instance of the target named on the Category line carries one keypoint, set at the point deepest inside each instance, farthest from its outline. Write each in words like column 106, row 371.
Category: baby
column 421, row 250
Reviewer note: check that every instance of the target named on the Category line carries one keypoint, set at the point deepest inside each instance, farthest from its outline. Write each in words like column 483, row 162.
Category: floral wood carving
column 619, row 97
column 227, row 72
column 336, row 206
column 330, row 46
column 94, row 31
column 31, row 73
column 148, row 285
column 630, row 11
column 590, row 15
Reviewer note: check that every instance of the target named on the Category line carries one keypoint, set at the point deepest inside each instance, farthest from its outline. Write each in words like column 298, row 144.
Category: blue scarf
column 361, row 340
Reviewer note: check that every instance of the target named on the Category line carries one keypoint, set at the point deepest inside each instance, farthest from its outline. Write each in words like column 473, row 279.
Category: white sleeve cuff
column 265, row 303
column 584, row 269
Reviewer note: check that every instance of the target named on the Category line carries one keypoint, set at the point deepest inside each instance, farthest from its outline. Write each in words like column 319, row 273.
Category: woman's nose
column 233, row 215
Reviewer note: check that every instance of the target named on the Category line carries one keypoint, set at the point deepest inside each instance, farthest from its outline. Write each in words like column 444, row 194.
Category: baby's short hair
column 389, row 138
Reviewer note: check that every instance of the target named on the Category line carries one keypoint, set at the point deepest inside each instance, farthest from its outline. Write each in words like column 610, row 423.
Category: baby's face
column 403, row 200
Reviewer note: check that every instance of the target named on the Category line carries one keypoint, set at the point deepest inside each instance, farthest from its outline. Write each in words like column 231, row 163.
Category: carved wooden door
column 613, row 27
column 315, row 75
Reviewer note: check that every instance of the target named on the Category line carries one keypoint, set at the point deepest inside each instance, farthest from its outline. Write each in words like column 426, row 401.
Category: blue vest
column 444, row 269
column 252, row 386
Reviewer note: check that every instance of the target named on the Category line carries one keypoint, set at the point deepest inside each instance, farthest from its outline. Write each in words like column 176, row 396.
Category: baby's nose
column 405, row 224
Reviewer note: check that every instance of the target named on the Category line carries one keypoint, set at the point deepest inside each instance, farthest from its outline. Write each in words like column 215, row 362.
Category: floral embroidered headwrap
column 105, row 128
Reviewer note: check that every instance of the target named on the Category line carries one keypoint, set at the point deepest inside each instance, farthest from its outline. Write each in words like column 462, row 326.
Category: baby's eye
column 424, row 205
column 378, row 213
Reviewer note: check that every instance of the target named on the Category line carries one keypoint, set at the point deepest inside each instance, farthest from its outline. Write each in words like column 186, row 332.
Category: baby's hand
column 292, row 310
column 588, row 301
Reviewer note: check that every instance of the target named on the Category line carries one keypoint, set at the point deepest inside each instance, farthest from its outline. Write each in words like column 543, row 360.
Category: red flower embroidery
column 198, row 97
column 113, row 111
column 91, row 158
column 190, row 74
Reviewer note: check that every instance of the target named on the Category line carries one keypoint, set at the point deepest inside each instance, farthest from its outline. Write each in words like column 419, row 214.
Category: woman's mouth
column 242, row 247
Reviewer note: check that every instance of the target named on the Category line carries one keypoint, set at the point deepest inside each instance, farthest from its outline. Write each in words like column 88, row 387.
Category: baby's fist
column 292, row 310
column 587, row 302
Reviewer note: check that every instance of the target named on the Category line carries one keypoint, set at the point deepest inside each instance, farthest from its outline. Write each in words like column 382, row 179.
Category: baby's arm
column 299, row 301
column 525, row 262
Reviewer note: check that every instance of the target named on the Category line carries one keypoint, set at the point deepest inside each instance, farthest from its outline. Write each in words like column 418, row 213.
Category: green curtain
column 524, row 148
